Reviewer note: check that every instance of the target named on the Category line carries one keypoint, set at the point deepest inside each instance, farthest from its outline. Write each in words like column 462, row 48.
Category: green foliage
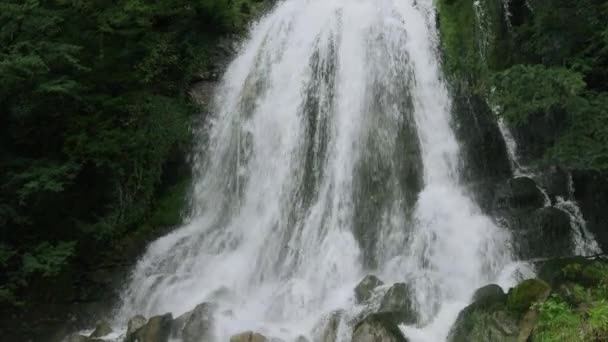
column 525, row 89
column 598, row 319
column 47, row 259
column 557, row 322
column 95, row 122
column 579, row 310
column 546, row 60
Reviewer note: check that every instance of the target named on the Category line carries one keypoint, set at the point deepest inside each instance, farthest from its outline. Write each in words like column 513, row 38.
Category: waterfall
column 330, row 156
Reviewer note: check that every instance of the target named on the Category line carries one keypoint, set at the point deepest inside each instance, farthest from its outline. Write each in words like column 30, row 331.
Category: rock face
column 364, row 290
column 397, row 302
column 378, row 327
column 546, row 233
column 522, row 192
column 158, row 329
column 591, row 193
column 199, row 325
column 483, row 147
column 249, row 336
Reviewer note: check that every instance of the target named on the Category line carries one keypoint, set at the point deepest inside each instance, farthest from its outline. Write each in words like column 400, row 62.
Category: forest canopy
column 94, row 117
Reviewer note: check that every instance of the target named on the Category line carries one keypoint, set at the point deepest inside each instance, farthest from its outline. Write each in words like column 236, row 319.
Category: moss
column 525, row 294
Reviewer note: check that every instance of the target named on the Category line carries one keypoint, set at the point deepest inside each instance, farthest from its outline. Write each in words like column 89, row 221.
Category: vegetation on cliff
column 537, row 61
column 95, row 124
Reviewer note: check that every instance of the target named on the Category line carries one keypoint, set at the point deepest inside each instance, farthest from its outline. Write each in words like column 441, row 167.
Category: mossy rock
column 486, row 319
column 521, row 297
column 485, row 326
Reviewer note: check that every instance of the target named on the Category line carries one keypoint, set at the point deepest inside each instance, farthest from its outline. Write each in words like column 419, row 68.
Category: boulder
column 327, row 329
column 248, row 336
column 489, row 294
column 178, row 325
column 365, row 288
column 378, row 327
column 199, row 325
column 397, row 301
column 486, row 320
column 158, row 329
column 101, row 329
column 521, row 297
column 135, row 323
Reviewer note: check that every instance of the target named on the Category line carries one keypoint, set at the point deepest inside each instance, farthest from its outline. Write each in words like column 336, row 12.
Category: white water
column 320, row 86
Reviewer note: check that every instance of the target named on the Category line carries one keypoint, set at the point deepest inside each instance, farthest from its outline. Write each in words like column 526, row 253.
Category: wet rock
column 364, row 290
column 158, row 329
column 135, row 323
column 483, row 147
column 327, row 329
column 556, row 182
column 378, row 327
column 544, row 233
column 248, row 336
column 397, row 301
column 520, row 193
column 591, row 193
column 102, row 329
column 178, row 325
column 199, row 325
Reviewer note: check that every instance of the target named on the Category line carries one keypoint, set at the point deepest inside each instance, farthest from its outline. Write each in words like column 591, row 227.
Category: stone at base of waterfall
column 365, row 288
column 486, row 319
column 158, row 329
column 327, row 329
column 379, row 327
column 398, row 302
column 249, row 336
column 135, row 323
column 101, row 329
column 198, row 326
column 489, row 294
column 498, row 317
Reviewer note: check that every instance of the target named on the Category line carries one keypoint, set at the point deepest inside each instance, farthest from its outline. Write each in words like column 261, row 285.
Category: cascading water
column 330, row 156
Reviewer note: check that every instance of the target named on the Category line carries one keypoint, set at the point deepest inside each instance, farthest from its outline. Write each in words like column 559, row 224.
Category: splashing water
column 330, row 156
